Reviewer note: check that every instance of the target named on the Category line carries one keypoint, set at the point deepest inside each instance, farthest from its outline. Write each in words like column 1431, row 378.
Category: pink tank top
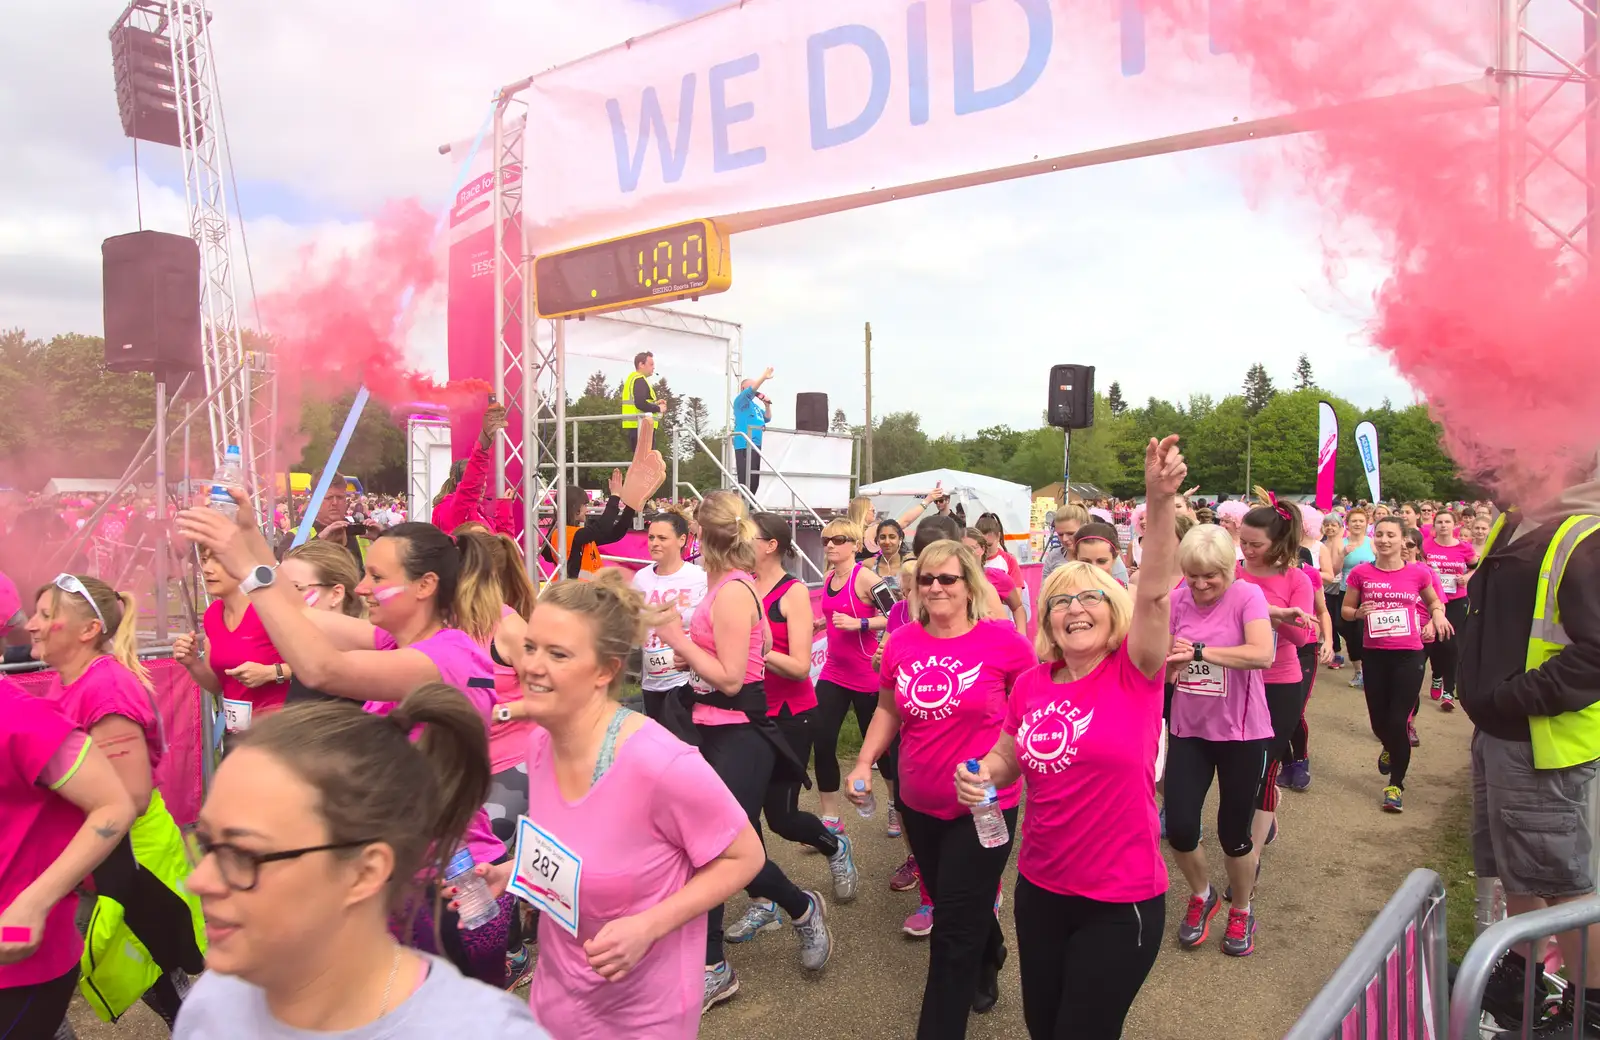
column 850, row 653
column 508, row 741
column 703, row 633
column 795, row 694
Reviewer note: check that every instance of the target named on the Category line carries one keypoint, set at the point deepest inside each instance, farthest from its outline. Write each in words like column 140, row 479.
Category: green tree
column 1404, row 481
column 1258, row 388
column 899, row 446
column 601, row 441
column 1303, row 379
column 1114, row 398
column 1216, row 449
column 841, row 422
column 597, row 386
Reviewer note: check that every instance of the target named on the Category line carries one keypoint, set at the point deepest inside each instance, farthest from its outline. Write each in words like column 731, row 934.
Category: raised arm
column 1149, row 637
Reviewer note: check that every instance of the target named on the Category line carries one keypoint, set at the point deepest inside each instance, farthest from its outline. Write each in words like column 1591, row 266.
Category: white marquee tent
column 976, row 494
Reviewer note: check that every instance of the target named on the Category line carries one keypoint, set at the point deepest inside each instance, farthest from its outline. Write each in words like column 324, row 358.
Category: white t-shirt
column 686, row 587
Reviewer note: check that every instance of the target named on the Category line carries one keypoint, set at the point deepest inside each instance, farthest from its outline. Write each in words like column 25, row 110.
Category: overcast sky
column 1160, row 271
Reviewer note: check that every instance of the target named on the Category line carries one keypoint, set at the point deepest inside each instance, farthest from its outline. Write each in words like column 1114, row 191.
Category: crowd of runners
column 404, row 716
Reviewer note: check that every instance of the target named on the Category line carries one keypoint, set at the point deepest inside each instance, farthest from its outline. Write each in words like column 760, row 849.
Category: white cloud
column 1156, row 271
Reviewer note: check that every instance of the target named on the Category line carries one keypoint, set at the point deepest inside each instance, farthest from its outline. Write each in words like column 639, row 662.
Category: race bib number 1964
column 1389, row 624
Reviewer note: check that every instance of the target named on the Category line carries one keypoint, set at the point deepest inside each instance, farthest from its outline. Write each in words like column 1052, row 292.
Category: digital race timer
column 669, row 263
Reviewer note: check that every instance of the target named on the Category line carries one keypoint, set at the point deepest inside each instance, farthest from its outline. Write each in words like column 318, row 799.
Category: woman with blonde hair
column 946, row 678
column 725, row 648
column 1082, row 731
column 87, row 632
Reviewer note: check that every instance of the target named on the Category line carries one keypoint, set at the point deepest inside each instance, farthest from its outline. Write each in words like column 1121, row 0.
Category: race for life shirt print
column 951, row 697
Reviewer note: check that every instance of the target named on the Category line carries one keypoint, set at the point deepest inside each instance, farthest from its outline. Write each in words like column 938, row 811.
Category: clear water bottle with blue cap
column 229, row 475
column 986, row 815
column 868, row 807
column 474, row 903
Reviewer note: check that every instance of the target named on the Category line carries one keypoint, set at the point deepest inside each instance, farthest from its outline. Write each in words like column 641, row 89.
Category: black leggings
column 1335, row 601
column 1353, row 634
column 743, row 758
column 1445, row 654
column 833, row 702
column 1299, row 748
column 1082, row 962
column 1286, row 702
column 1238, row 765
column 33, row 1012
column 962, row 877
column 154, row 913
column 782, row 802
column 1394, row 680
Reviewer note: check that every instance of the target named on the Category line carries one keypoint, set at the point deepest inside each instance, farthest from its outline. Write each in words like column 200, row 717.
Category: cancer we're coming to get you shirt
column 951, row 698
column 1397, row 597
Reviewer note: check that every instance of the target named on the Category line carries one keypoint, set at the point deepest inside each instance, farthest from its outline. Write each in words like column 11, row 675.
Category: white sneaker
column 721, row 984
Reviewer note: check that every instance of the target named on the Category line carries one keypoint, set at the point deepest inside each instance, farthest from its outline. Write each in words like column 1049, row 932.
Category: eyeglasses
column 838, row 539
column 1087, row 598
column 69, row 583
column 947, row 580
column 240, row 868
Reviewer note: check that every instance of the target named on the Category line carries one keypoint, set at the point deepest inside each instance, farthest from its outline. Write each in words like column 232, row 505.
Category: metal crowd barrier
column 1394, row 984
column 1466, row 1007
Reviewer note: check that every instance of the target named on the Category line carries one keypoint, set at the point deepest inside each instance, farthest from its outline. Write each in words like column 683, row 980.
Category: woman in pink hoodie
column 461, row 500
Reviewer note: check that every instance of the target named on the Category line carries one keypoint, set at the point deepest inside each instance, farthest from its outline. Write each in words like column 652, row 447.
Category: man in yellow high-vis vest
column 1530, row 682
column 639, row 396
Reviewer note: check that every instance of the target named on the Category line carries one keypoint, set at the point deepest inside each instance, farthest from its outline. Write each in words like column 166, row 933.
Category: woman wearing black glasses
column 86, row 631
column 946, row 677
column 315, row 831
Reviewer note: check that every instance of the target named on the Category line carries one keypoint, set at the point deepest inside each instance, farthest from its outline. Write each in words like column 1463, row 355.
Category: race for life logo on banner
column 1327, row 454
column 1367, row 445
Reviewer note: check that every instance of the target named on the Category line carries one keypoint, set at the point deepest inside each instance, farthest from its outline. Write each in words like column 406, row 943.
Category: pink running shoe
column 920, row 923
column 906, row 877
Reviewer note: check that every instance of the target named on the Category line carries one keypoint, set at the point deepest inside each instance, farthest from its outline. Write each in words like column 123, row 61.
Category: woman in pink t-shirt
column 1007, row 601
column 1384, row 595
column 63, row 809
column 725, row 650
column 1082, row 731
column 1220, row 726
column 1269, row 538
column 1452, row 560
column 946, row 677
column 240, row 664
column 640, row 837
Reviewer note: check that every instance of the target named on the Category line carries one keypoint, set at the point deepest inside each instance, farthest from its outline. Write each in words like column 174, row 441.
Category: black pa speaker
column 152, row 303
column 811, row 413
column 1071, row 396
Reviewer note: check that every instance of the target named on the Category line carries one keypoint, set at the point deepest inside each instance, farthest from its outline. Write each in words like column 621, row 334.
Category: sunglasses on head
column 838, row 539
column 947, row 580
column 69, row 583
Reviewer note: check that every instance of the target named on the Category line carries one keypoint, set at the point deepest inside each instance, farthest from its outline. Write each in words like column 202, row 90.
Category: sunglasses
column 69, row 583
column 947, row 580
column 838, row 539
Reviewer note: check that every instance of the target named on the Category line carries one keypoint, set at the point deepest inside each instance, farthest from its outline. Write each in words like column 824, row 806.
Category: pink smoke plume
column 1478, row 312
column 343, row 322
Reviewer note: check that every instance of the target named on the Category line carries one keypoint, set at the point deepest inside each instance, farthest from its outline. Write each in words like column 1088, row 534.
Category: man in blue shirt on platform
column 751, row 413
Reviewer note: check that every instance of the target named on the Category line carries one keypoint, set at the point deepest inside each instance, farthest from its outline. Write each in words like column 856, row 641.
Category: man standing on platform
column 639, row 396
column 752, row 411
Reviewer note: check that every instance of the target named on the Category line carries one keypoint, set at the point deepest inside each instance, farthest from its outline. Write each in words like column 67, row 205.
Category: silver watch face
column 263, row 575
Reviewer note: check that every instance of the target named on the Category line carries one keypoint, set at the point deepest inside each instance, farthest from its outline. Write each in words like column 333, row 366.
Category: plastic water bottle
column 473, row 901
column 229, row 475
column 992, row 830
column 870, row 806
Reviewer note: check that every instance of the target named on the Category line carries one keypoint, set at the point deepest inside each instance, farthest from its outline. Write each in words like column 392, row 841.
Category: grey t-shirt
column 221, row 1007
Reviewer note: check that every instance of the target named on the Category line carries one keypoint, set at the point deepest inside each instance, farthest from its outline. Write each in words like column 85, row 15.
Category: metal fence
column 1393, row 985
column 1466, row 1006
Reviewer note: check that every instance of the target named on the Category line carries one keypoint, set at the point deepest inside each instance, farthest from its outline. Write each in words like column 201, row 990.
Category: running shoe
column 1357, row 683
column 1240, row 938
column 721, row 984
column 906, row 876
column 1301, row 781
column 1411, row 733
column 988, row 994
column 1196, row 923
column 1383, row 762
column 1447, row 703
column 1561, row 1025
column 1391, row 799
column 833, row 824
column 1503, row 996
column 760, row 916
column 520, row 965
column 1436, row 689
column 842, row 865
column 920, row 923
column 1338, row 661
column 816, row 945
column 894, row 823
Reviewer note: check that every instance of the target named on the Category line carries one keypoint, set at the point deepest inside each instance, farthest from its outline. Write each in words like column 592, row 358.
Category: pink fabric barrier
column 180, row 776
column 1416, row 969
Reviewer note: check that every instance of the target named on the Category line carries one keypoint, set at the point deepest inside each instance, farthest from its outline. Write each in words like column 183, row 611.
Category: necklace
column 388, row 987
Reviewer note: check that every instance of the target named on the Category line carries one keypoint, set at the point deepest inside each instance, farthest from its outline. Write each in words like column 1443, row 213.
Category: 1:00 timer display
column 669, row 263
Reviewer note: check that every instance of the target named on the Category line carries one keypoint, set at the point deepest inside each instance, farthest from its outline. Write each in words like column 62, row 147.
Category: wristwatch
column 1199, row 651
column 260, row 578
column 502, row 713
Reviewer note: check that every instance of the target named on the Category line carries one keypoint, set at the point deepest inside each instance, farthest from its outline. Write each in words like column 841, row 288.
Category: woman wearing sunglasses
column 1082, row 730
column 946, row 677
column 847, row 681
column 62, row 811
column 433, row 606
column 240, row 664
column 1219, row 725
column 87, row 633
column 313, row 836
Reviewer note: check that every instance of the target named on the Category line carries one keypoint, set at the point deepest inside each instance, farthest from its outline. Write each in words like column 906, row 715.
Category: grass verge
column 1451, row 858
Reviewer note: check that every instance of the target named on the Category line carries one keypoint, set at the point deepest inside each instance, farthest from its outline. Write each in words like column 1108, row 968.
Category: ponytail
column 727, row 537
column 516, row 588
column 476, row 607
column 125, row 642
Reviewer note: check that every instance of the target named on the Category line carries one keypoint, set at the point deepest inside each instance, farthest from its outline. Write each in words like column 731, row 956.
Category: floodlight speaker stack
column 1071, row 404
column 152, row 304
column 811, row 413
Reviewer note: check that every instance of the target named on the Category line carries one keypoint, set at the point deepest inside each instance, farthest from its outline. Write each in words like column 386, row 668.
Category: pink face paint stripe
column 385, row 593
